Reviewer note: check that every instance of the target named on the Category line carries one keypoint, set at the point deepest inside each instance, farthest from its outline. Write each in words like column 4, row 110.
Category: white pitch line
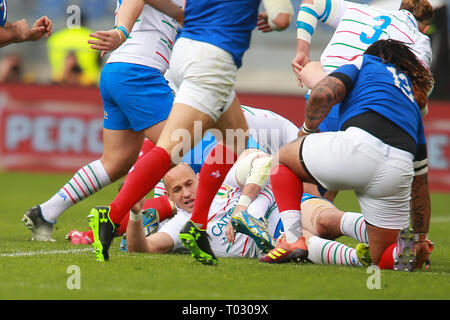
column 42, row 252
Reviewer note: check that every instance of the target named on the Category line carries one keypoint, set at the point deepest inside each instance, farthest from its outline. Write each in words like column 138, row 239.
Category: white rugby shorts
column 204, row 76
column 380, row 174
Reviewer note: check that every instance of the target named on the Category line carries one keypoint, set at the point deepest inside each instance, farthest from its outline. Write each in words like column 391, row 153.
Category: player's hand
column 263, row 23
column 423, row 250
column 106, row 41
column 229, row 232
column 138, row 206
column 300, row 60
column 312, row 73
column 42, row 26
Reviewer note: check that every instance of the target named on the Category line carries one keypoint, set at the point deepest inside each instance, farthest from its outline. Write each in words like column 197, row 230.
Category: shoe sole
column 94, row 221
column 263, row 244
column 406, row 259
column 297, row 255
column 30, row 225
column 198, row 254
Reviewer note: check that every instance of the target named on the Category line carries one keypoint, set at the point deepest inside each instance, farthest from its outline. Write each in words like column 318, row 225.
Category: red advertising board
column 55, row 128
column 49, row 128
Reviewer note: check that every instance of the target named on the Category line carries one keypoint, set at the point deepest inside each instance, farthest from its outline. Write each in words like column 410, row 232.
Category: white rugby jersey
column 150, row 41
column 358, row 26
column 268, row 129
column 219, row 215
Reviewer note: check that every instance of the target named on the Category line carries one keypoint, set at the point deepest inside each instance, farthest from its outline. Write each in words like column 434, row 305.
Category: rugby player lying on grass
column 317, row 214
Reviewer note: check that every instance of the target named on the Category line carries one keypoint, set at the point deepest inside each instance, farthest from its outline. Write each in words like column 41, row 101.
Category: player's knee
column 327, row 225
column 117, row 167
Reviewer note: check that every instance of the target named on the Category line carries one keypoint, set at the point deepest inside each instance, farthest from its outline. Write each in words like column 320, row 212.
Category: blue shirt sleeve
column 3, row 13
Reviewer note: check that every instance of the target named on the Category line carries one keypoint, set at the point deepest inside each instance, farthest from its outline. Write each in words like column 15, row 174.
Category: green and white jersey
column 358, row 26
column 268, row 129
column 150, row 41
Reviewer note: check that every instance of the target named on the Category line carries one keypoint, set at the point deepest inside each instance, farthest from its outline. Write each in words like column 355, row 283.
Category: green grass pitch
column 31, row 270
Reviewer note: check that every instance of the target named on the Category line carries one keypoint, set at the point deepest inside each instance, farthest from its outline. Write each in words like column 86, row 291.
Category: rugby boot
column 103, row 231
column 41, row 230
column 406, row 255
column 196, row 241
column 287, row 252
column 363, row 254
column 256, row 229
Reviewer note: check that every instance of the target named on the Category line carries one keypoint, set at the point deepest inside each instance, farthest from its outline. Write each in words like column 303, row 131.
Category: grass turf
column 32, row 270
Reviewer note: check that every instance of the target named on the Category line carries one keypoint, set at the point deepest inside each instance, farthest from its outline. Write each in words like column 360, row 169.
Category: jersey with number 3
column 358, row 26
column 382, row 88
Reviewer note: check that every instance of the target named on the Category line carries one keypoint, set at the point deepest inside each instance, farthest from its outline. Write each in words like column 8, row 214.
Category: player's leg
column 211, row 93
column 231, row 140
column 323, row 219
column 321, row 225
column 325, row 251
column 230, row 134
column 145, row 104
column 176, row 136
column 287, row 183
column 121, row 148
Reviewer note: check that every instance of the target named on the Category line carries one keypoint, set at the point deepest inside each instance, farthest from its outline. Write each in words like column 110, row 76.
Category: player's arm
column 169, row 8
column 8, row 34
column 421, row 207
column 19, row 31
column 109, row 40
column 126, row 17
column 277, row 17
column 310, row 12
column 254, row 172
column 312, row 73
column 328, row 92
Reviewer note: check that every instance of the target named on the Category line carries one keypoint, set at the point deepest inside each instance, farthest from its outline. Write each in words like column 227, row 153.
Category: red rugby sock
column 147, row 172
column 287, row 188
column 213, row 172
column 387, row 258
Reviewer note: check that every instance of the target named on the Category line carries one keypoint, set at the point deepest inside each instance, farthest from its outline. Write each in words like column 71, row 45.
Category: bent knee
column 328, row 224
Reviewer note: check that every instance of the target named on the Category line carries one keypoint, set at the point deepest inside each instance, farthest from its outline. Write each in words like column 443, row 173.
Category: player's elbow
column 282, row 21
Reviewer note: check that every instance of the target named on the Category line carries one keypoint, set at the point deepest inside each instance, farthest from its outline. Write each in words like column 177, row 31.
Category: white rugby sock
column 353, row 225
column 87, row 181
column 322, row 251
column 292, row 222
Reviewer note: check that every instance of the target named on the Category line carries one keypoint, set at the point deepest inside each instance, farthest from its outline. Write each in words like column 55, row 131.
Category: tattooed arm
column 328, row 92
column 421, row 205
column 420, row 218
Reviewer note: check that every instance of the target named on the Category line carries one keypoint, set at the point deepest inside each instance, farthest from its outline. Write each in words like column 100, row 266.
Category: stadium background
column 48, row 130
column 47, row 125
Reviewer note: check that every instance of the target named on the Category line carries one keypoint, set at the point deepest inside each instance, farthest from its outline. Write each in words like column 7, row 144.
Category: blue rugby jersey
column 381, row 88
column 226, row 24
